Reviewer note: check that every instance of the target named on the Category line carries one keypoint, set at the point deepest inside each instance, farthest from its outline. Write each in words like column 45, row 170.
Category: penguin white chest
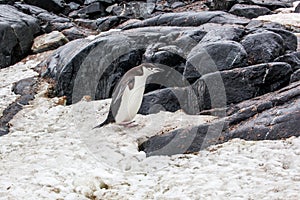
column 131, row 100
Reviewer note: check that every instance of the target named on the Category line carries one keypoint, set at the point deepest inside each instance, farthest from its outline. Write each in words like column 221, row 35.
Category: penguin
column 128, row 95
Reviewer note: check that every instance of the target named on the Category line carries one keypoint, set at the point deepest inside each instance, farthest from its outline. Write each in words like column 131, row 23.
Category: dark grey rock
column 51, row 5
column 227, row 4
column 273, row 4
column 73, row 6
column 295, row 76
column 106, row 59
column 217, row 32
column 26, row 88
column 273, row 116
column 191, row 19
column 10, row 2
column 249, row 11
column 134, row 9
column 86, row 23
column 221, row 5
column 297, row 9
column 106, row 23
column 17, row 32
column 48, row 21
column 292, row 58
column 263, row 46
column 91, row 11
column 258, row 24
column 289, row 39
column 169, row 55
column 87, row 2
column 177, row 4
column 248, row 82
column 214, row 56
column 218, row 89
column 74, row 33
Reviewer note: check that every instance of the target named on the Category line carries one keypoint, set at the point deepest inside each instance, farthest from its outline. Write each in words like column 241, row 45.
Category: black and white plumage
column 128, row 95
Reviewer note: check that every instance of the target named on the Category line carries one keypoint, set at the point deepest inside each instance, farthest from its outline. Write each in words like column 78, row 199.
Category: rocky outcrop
column 51, row 5
column 17, row 32
column 272, row 116
column 249, row 11
column 228, row 4
column 218, row 89
column 190, row 19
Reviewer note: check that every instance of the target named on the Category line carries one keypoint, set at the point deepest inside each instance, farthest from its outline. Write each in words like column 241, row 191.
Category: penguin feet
column 129, row 124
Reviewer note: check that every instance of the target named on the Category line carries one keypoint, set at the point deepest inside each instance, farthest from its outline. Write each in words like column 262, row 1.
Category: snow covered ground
column 52, row 153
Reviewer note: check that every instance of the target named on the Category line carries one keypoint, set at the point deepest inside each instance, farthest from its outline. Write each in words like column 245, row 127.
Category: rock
column 106, row 23
column 253, row 81
column 48, row 21
column 51, row 5
column 228, row 4
column 191, row 19
column 263, row 46
column 271, row 116
column 48, row 41
column 17, row 31
column 91, row 11
column 78, row 32
column 86, row 23
column 81, row 2
column 108, row 62
column 257, row 24
column 273, row 4
column 218, row 89
column 26, row 88
column 197, row 6
column 64, row 64
column 207, row 57
column 295, row 76
column 177, row 4
column 161, row 100
column 292, row 58
column 289, row 38
column 10, row 2
column 87, row 2
column 217, row 32
column 73, row 6
column 297, row 9
column 169, row 55
column 221, row 5
column 249, row 11
column 136, row 10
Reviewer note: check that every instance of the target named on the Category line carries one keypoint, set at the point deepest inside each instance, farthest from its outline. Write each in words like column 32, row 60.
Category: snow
column 52, row 152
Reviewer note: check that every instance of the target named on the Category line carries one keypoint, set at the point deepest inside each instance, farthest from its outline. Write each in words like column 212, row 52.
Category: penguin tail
column 108, row 120
column 102, row 124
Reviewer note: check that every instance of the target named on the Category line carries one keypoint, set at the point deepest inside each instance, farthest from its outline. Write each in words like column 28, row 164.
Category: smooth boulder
column 17, row 32
column 263, row 46
column 249, row 11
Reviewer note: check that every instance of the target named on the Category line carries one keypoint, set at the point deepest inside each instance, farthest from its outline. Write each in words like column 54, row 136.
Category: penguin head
column 149, row 68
